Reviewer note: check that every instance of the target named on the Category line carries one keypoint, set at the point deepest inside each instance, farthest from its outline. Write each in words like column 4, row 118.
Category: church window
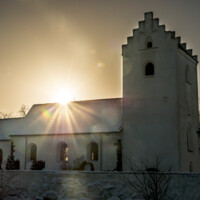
column 64, row 156
column 1, row 155
column 189, row 140
column 149, row 69
column 94, row 151
column 33, row 153
column 187, row 75
column 149, row 43
column 199, row 140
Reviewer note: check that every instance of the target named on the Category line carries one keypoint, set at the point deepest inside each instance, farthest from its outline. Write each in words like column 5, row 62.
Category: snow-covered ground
column 64, row 185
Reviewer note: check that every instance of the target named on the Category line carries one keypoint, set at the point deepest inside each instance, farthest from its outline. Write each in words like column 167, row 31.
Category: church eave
column 65, row 134
column 188, row 52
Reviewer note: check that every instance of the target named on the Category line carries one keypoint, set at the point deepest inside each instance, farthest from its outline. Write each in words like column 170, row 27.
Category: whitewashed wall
column 47, row 149
column 5, row 146
column 188, row 111
column 156, row 113
column 150, row 102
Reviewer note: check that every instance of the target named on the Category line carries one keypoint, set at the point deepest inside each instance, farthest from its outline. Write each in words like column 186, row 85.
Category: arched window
column 64, row 153
column 94, row 151
column 1, row 156
column 149, row 69
column 149, row 43
column 199, row 140
column 187, row 74
column 189, row 139
column 33, row 152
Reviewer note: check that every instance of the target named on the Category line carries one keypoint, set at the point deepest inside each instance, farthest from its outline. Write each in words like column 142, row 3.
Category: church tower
column 160, row 97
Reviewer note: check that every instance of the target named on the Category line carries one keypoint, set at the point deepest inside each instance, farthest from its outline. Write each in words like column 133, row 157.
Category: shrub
column 150, row 182
column 37, row 165
column 12, row 164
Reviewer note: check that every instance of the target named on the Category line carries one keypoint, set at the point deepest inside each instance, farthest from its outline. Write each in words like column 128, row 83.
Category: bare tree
column 23, row 110
column 150, row 183
column 21, row 113
column 5, row 115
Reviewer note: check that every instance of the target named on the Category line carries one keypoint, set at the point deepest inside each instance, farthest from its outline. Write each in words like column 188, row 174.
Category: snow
column 29, row 185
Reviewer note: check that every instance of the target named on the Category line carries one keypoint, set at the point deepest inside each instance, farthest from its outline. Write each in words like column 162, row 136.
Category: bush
column 38, row 165
column 12, row 164
column 150, row 182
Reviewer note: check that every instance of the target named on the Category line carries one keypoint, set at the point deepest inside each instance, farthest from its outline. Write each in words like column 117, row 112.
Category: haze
column 75, row 46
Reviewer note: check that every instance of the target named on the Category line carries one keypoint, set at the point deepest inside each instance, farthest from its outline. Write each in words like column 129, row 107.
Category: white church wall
column 157, row 111
column 188, row 112
column 150, row 108
column 109, row 152
column 5, row 146
column 20, row 150
column 47, row 150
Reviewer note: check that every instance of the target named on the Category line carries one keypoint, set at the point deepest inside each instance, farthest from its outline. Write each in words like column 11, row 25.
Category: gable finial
column 148, row 15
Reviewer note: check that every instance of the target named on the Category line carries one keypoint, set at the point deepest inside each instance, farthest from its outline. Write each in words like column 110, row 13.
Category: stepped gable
column 154, row 25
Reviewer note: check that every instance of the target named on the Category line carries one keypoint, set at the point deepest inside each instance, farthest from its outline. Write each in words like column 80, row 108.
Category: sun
column 64, row 97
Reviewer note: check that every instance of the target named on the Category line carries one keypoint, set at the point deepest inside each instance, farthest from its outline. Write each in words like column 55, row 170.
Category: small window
column 33, row 153
column 189, row 140
column 149, row 44
column 187, row 75
column 199, row 140
column 1, row 156
column 94, row 151
column 149, row 69
column 64, row 153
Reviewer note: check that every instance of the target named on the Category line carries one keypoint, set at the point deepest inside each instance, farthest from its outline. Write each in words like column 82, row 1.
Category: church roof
column 93, row 116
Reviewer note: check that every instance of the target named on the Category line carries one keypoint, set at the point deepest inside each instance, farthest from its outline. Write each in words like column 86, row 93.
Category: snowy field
column 67, row 185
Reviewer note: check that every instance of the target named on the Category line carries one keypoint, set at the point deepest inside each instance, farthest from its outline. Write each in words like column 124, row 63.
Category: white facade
column 48, row 150
column 49, row 127
column 5, row 147
column 162, row 106
column 159, row 108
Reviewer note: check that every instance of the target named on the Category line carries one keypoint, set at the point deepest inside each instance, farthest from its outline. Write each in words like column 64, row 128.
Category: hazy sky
column 75, row 45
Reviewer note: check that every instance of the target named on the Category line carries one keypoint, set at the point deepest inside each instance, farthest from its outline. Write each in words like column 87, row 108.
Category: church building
column 157, row 117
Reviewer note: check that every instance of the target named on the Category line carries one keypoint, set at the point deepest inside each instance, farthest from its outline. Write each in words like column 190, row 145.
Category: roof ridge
column 54, row 103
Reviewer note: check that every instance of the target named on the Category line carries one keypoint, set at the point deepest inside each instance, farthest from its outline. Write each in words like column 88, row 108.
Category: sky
column 51, row 46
